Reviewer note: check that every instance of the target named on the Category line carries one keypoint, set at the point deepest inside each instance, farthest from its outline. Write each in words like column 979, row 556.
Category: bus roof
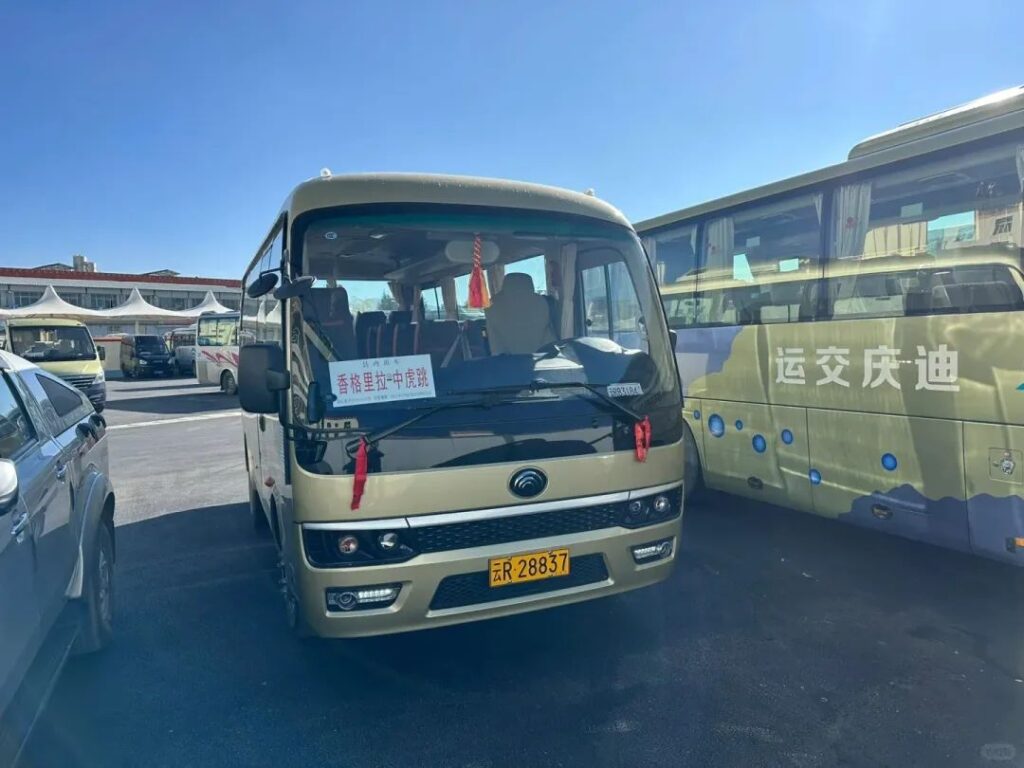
column 56, row 322
column 992, row 115
column 364, row 188
column 980, row 110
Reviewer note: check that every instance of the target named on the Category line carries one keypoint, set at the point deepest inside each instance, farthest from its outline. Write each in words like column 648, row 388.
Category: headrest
column 335, row 300
column 400, row 316
column 517, row 283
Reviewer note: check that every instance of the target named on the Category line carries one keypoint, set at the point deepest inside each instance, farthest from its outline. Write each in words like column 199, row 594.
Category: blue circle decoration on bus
column 696, row 415
column 739, row 425
column 787, row 437
column 717, row 425
column 815, row 476
column 889, row 462
column 759, row 443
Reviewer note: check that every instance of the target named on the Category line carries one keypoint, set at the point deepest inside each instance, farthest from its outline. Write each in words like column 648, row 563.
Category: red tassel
column 478, row 297
column 359, row 483
column 642, row 438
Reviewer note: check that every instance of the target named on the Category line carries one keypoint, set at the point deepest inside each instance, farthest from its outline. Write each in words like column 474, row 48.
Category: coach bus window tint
column 937, row 237
column 761, row 265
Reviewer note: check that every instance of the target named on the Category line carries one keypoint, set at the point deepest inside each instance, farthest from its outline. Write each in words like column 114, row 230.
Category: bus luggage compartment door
column 756, row 450
column 994, row 460
column 898, row 474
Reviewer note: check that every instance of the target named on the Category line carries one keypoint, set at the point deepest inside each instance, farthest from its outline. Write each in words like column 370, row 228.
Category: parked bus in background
column 419, row 466
column 217, row 350
column 182, row 342
column 849, row 339
column 62, row 347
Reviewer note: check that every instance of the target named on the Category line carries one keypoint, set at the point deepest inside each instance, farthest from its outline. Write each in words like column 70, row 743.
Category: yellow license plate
column 532, row 567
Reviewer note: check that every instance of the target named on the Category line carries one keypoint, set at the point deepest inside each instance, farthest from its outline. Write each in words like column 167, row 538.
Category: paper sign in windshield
column 381, row 379
column 626, row 389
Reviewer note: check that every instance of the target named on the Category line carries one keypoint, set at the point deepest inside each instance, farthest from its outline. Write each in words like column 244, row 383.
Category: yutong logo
column 527, row 483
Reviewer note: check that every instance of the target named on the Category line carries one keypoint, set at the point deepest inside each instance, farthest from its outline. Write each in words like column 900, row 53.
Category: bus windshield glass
column 409, row 311
column 49, row 343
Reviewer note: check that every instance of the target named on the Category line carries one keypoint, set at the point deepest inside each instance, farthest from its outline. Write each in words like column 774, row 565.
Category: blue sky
column 149, row 135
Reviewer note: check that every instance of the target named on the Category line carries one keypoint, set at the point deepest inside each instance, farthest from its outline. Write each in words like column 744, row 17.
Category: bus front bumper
column 451, row 587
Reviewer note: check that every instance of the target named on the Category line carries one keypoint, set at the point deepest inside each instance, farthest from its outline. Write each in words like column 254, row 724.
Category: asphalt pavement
column 781, row 639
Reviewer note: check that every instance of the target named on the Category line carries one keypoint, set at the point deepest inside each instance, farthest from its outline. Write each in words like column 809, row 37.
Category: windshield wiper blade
column 372, row 438
column 539, row 384
column 611, row 403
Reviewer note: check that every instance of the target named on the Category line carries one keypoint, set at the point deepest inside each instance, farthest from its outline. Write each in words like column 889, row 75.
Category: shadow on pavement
column 183, row 404
column 774, row 627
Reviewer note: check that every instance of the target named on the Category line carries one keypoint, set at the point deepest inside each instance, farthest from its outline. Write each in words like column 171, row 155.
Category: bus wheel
column 227, row 383
column 259, row 517
column 293, row 613
column 692, row 480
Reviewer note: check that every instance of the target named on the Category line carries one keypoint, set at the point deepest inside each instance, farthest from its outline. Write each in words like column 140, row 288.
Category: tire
column 693, row 479
column 99, row 407
column 256, row 513
column 228, row 385
column 96, row 628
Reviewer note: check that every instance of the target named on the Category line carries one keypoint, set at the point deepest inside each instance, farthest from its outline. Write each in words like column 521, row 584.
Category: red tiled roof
column 45, row 275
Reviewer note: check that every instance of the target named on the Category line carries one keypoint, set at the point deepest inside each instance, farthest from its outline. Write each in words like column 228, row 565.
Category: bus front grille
column 79, row 380
column 500, row 530
column 473, row 589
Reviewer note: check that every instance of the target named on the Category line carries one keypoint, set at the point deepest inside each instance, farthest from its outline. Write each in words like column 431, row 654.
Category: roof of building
column 45, row 275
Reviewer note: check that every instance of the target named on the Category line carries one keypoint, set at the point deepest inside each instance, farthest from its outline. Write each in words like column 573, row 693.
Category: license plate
column 530, row 567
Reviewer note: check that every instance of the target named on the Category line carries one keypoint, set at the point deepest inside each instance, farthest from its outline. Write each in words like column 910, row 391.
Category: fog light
column 656, row 550
column 348, row 544
column 662, row 504
column 362, row 598
column 388, row 541
column 636, row 507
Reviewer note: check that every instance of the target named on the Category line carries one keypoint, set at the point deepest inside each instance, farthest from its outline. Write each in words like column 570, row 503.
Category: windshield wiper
column 539, row 384
column 372, row 438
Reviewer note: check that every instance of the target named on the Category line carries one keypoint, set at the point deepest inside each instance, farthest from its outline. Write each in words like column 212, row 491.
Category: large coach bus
column 459, row 401
column 849, row 340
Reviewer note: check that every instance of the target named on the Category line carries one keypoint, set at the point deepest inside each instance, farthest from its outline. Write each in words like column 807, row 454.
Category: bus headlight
column 356, row 548
column 362, row 598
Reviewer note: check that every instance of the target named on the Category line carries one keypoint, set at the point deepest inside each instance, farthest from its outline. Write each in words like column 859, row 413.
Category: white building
column 80, row 284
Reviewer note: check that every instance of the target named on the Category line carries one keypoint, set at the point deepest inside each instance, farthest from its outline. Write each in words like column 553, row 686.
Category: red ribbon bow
column 642, row 438
column 359, row 483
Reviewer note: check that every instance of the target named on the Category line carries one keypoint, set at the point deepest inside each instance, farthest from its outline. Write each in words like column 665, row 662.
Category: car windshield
column 150, row 344
column 52, row 343
column 410, row 310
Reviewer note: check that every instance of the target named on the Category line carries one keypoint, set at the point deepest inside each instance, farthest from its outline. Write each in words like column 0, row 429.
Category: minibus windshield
column 49, row 343
column 410, row 310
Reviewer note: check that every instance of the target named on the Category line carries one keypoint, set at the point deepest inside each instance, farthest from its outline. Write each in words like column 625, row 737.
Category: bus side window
column 595, row 301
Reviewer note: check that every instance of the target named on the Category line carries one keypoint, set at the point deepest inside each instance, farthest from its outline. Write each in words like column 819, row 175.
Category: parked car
column 56, row 539
column 145, row 356
column 64, row 348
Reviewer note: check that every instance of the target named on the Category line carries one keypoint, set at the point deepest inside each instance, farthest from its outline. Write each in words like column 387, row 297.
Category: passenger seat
column 390, row 333
column 367, row 328
column 436, row 338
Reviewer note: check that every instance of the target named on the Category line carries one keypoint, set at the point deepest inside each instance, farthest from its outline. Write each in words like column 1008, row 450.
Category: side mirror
column 102, row 352
column 673, row 337
column 297, row 287
column 261, row 377
column 262, row 285
column 8, row 486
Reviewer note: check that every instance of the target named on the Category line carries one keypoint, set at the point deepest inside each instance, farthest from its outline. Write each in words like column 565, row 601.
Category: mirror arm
column 278, row 381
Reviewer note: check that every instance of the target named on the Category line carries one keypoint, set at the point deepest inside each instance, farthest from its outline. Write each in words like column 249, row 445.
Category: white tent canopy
column 208, row 304
column 137, row 308
column 52, row 305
